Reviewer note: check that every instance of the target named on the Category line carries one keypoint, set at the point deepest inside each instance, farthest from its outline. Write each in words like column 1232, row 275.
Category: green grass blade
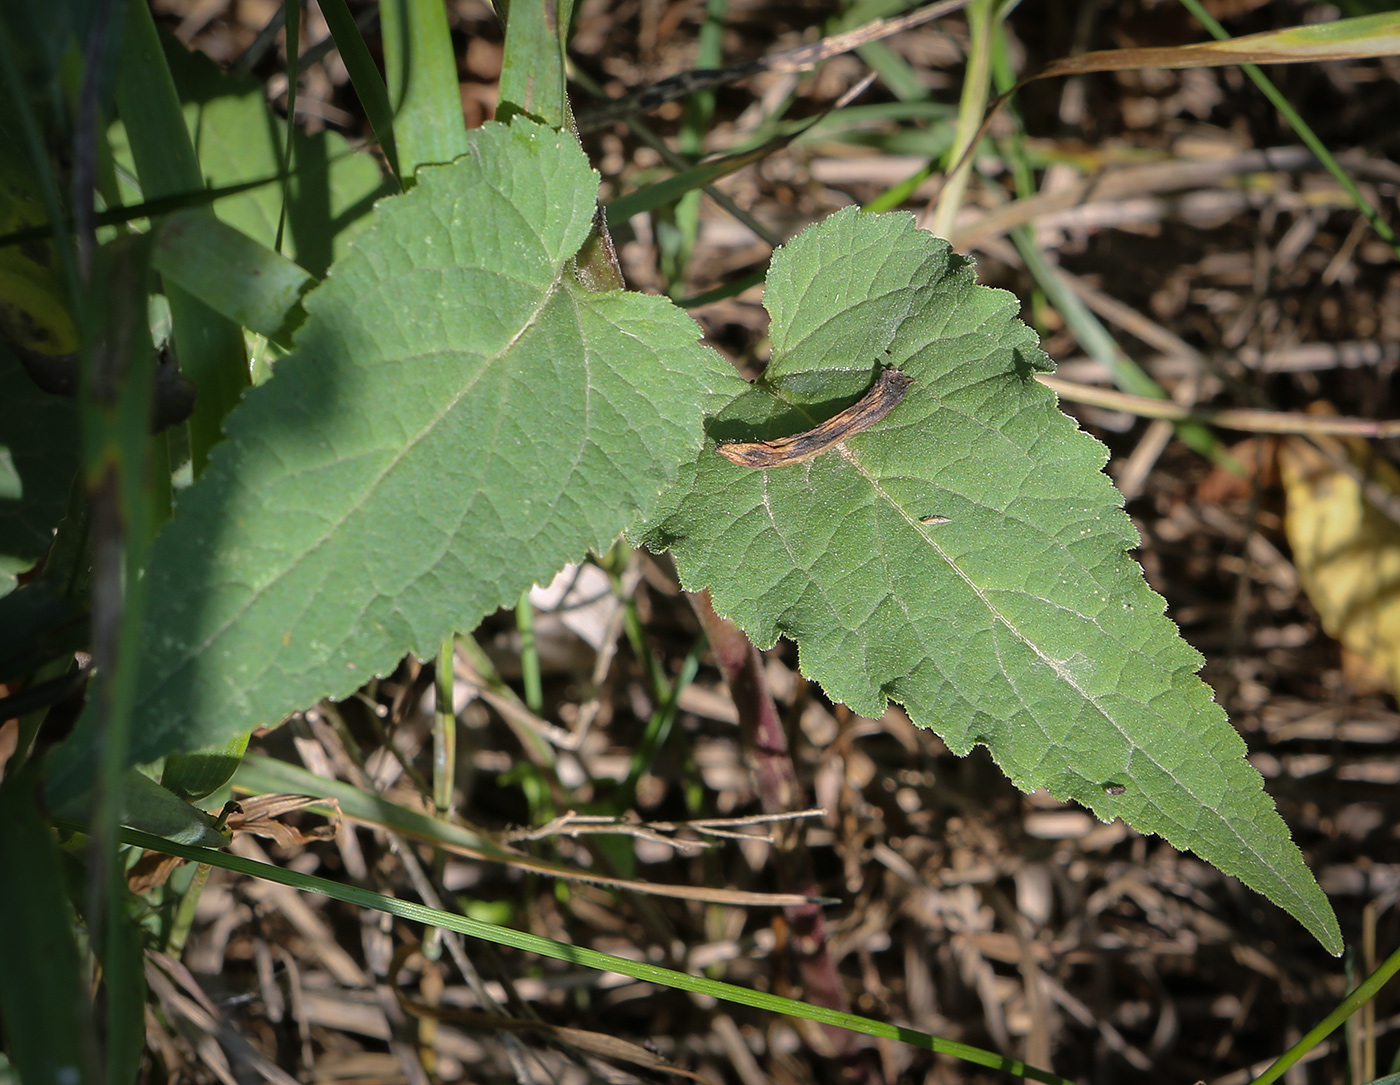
column 260, row 775
column 444, row 730
column 592, row 958
column 728, row 290
column 124, row 978
column 125, row 482
column 532, row 66
column 422, row 82
column 1090, row 332
column 117, row 214
column 677, row 229
column 232, row 274
column 292, row 22
column 529, row 654
column 210, row 347
column 364, row 77
column 983, row 19
column 896, row 73
column 1364, row 993
column 675, row 187
column 1378, row 24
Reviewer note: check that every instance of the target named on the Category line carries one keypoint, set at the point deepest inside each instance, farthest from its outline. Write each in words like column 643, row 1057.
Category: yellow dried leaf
column 1346, row 550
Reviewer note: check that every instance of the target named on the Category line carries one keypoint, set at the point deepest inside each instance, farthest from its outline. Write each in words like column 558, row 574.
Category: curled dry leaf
column 259, row 817
column 883, row 396
column 256, row 816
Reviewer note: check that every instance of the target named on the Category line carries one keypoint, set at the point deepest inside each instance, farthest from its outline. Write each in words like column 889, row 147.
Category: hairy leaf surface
column 965, row 556
column 459, row 419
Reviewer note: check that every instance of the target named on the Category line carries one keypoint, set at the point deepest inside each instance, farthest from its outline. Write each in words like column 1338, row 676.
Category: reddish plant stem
column 765, row 742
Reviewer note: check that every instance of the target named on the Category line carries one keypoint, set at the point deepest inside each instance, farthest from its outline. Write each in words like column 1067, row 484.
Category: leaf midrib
column 853, row 459
column 488, row 361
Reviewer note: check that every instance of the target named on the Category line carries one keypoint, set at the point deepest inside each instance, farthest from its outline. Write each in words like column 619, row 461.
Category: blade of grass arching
column 895, row 195
column 365, row 78
column 210, row 347
column 422, row 79
column 532, row 64
column 676, row 162
column 1361, row 996
column 591, row 958
column 231, row 273
column 896, row 73
column 728, row 290
column 942, row 135
column 865, row 125
column 120, row 214
column 699, row 177
column 1377, row 26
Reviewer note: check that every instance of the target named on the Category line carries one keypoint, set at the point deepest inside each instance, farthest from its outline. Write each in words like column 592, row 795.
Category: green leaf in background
column 532, row 66
column 38, row 459
column 154, row 809
column 421, row 72
column 238, row 138
column 459, row 419
column 41, row 986
column 966, row 557
column 231, row 273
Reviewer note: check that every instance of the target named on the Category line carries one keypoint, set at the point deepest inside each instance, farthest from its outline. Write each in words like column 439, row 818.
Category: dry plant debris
column 1198, row 228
